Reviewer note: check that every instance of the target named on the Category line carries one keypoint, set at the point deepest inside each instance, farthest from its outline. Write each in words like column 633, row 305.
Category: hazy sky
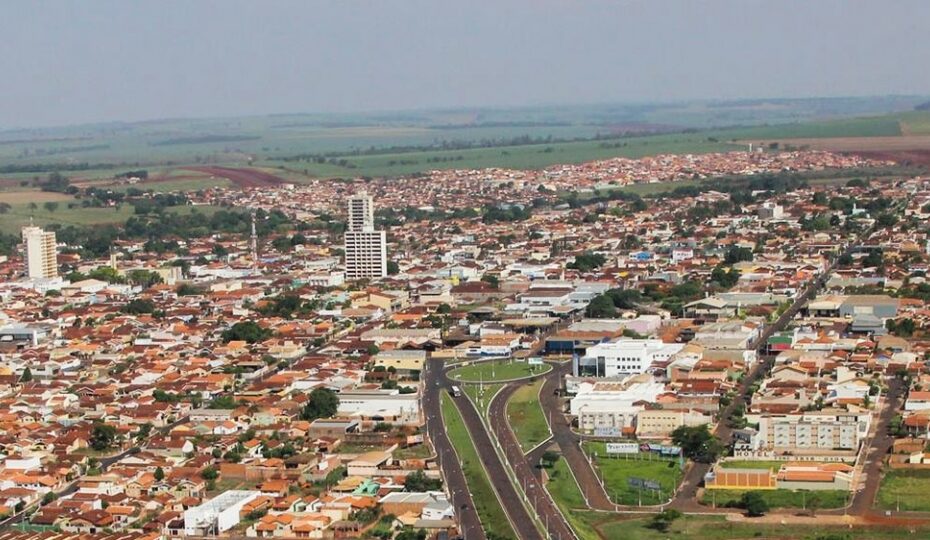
column 66, row 62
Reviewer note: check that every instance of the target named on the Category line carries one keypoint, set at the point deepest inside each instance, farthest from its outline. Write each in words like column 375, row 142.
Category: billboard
column 606, row 432
column 622, row 448
column 534, row 361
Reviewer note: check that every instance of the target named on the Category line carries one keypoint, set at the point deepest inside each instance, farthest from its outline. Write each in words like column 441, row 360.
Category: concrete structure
column 811, row 432
column 365, row 248
column 380, row 405
column 217, row 515
column 613, row 405
column 625, row 356
column 659, row 423
column 361, row 213
column 41, row 252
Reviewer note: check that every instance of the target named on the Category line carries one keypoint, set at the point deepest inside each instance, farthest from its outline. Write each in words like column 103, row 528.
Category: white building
column 361, row 213
column 217, row 515
column 381, row 405
column 41, row 253
column 625, row 356
column 365, row 248
column 612, row 406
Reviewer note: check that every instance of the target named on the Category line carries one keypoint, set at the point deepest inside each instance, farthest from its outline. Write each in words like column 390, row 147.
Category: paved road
column 567, row 440
column 507, row 495
column 548, row 512
column 448, row 459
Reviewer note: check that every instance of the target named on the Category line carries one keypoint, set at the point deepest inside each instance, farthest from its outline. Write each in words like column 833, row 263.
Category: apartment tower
column 365, row 248
column 41, row 253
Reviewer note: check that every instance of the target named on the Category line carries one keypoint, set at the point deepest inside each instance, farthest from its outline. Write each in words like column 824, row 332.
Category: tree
column 144, row 278
column 417, row 481
column 587, row 261
column 209, row 473
column 102, row 436
column 159, row 474
column 139, row 306
column 248, row 331
column 753, row 503
column 737, row 254
column 549, row 458
column 491, row 280
column 697, row 443
column 663, row 520
column 392, row 268
column 51, row 206
column 323, row 403
column 27, row 376
column 601, row 307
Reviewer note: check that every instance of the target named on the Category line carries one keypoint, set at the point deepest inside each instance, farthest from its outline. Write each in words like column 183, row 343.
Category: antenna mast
column 254, row 245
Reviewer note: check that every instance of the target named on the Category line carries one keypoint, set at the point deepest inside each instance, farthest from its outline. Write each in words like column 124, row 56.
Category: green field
column 616, row 471
column 404, row 142
column 497, row 370
column 492, row 516
column 526, row 416
column 780, row 498
column 904, row 489
column 21, row 215
column 717, row 528
column 568, row 498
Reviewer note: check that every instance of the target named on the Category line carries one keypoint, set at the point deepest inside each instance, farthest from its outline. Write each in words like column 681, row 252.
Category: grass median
column 492, row 516
column 569, row 499
column 526, row 416
column 498, row 370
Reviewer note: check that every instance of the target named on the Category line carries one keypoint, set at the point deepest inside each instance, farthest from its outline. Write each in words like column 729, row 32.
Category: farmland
column 387, row 144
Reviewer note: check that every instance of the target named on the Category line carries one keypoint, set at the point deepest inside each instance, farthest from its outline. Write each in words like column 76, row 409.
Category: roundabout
column 497, row 371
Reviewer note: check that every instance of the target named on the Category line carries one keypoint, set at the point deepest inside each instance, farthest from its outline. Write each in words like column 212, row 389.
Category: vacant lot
column 617, row 471
column 717, row 528
column 526, row 416
column 904, row 489
column 780, row 498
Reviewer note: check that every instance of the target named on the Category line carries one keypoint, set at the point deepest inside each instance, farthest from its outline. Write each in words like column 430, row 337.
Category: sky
column 68, row 62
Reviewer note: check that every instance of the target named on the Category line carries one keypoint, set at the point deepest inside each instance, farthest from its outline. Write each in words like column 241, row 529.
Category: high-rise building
column 41, row 253
column 361, row 213
column 365, row 248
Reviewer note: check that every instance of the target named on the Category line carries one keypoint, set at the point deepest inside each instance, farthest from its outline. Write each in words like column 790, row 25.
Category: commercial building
column 612, row 407
column 41, row 252
column 625, row 357
column 217, row 515
column 365, row 248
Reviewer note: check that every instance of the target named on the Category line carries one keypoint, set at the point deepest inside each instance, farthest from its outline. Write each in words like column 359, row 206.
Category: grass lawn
column 717, row 528
column 20, row 215
column 616, row 471
column 568, row 497
column 526, row 416
column 907, row 488
column 780, row 498
column 498, row 370
column 493, row 518
column 481, row 394
column 417, row 451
